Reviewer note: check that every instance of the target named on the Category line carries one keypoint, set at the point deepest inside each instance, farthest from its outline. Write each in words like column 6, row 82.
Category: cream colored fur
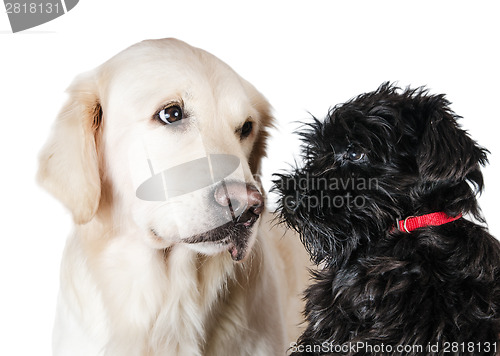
column 126, row 291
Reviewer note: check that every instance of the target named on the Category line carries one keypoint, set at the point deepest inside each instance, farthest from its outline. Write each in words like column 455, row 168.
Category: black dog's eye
column 353, row 155
column 170, row 114
column 246, row 129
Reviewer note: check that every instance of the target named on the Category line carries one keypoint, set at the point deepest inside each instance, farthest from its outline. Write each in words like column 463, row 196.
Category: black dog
column 379, row 204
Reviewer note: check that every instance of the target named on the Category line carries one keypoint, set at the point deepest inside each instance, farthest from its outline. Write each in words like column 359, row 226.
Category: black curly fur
column 376, row 285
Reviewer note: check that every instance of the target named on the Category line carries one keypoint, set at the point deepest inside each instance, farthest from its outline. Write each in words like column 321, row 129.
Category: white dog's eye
column 353, row 155
column 170, row 114
column 246, row 129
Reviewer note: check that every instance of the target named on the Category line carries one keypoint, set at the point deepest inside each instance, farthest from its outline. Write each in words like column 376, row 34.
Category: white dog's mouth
column 235, row 208
column 234, row 236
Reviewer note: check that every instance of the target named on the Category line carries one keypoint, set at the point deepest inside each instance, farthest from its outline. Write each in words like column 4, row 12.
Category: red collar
column 414, row 222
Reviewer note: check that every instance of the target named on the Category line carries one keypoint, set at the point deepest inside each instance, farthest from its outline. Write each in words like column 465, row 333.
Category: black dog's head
column 378, row 158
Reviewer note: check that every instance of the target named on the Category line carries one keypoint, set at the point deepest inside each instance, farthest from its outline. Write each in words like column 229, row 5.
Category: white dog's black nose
column 241, row 198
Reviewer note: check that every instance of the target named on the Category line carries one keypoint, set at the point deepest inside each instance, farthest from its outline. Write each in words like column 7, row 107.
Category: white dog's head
column 167, row 139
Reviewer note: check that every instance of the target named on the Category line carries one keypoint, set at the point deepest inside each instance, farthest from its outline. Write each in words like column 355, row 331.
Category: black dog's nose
column 241, row 198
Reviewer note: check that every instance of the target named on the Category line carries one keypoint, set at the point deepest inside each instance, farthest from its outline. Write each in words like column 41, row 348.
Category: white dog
column 156, row 154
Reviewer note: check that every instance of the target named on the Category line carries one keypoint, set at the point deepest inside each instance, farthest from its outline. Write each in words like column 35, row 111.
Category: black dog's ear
column 446, row 152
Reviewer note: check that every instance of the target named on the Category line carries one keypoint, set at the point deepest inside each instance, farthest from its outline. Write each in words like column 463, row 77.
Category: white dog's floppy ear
column 259, row 146
column 69, row 166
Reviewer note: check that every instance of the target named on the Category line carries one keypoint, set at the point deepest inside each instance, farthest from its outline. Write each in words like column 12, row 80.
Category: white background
column 304, row 56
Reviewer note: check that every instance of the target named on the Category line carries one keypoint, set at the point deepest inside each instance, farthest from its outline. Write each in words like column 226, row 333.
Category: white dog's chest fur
column 177, row 304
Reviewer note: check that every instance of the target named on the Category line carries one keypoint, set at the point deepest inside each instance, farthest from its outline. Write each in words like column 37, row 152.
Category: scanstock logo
column 31, row 13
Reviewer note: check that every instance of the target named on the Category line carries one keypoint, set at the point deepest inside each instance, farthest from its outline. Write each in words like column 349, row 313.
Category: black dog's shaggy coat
column 380, row 157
